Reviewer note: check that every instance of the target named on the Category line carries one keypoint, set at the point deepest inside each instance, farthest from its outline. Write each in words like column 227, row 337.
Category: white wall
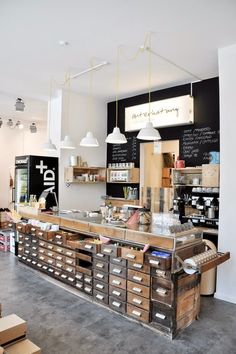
column 79, row 121
column 226, row 279
column 14, row 143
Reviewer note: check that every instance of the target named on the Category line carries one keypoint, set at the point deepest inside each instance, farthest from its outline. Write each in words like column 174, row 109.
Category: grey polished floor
column 62, row 323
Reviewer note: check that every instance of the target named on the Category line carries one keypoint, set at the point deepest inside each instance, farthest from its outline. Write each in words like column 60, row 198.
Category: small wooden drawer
column 139, row 277
column 136, row 312
column 162, row 314
column 32, row 230
column 69, row 253
column 119, row 261
column 88, row 289
column 117, row 270
column 139, row 301
column 21, row 242
column 27, row 238
column 79, row 276
column 45, row 267
column 27, row 245
column 27, row 251
column 42, row 251
column 70, row 261
column 57, row 273
column 43, row 243
column 59, row 264
column 63, row 276
column 117, row 293
column 166, row 274
column 42, row 258
column 21, row 227
column 59, row 236
column 88, row 279
column 50, row 253
column 101, row 297
column 89, row 246
column 162, row 290
column 34, row 263
column 69, row 269
column 117, row 305
column 132, row 255
column 100, row 286
column 79, row 285
column 59, row 257
column 34, row 248
column 51, row 261
column 139, row 267
column 20, row 250
column 101, row 276
column 39, row 265
column 60, row 250
column 102, row 257
column 158, row 262
column 21, row 237
column 34, row 254
column 111, row 250
column 138, row 289
column 34, row 240
column 71, row 280
column 85, row 257
column 84, row 270
column 99, row 265
column 118, row 282
column 50, row 246
column 51, row 270
column 39, row 233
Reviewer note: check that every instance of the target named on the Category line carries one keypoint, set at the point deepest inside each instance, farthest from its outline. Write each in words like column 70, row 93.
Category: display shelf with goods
column 85, row 175
column 123, row 175
column 201, row 176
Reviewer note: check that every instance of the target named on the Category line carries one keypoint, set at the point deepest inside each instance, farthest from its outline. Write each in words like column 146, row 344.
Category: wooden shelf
column 132, row 175
column 73, row 172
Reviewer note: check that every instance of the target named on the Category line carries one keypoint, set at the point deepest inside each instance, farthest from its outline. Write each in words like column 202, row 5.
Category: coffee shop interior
column 117, row 188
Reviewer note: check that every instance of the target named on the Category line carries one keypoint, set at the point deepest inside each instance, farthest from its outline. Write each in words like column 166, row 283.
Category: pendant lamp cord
column 117, row 82
column 91, row 107
column 49, row 109
column 68, row 81
column 149, row 76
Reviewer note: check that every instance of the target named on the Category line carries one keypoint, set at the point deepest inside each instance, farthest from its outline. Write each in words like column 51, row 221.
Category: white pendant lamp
column 67, row 143
column 49, row 146
column 149, row 132
column 89, row 140
column 116, row 137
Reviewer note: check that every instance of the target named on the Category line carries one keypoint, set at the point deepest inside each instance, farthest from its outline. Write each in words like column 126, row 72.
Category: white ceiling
column 188, row 32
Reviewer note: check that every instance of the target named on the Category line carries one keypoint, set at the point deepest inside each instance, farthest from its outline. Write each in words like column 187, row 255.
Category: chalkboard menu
column 125, row 152
column 196, row 143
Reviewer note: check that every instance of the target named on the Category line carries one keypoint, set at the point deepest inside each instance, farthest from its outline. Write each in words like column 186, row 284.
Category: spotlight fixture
column 20, row 106
column 19, row 125
column 1, row 122
column 33, row 128
column 10, row 123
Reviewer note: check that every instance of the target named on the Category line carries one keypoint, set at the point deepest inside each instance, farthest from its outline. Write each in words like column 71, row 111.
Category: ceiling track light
column 20, row 105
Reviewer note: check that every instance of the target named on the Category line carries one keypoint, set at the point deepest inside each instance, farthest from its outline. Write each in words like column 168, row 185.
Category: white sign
column 164, row 113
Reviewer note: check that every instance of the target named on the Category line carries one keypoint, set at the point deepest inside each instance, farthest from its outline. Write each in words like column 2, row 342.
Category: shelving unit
column 205, row 175
column 85, row 175
column 123, row 175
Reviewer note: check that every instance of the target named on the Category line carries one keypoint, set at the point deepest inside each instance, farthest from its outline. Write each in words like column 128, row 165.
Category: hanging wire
column 149, row 77
column 117, row 82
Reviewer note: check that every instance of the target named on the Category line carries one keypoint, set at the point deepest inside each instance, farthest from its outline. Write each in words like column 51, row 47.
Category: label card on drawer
column 160, row 315
column 100, row 297
column 137, row 278
column 138, row 290
column 99, row 286
column 136, row 313
column 115, row 292
column 99, row 275
column 116, row 304
column 116, row 282
column 117, row 270
column 137, row 301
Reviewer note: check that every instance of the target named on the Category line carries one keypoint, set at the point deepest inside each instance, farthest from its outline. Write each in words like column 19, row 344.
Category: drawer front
column 87, row 271
column 162, row 291
column 88, row 289
column 158, row 262
column 71, row 279
column 119, row 261
column 50, row 246
column 88, row 279
column 162, row 314
column 138, row 289
column 59, row 264
column 79, row 276
column 99, row 265
column 40, row 233
column 32, row 230
column 27, row 251
column 101, row 297
column 51, row 261
column 138, row 301
column 21, row 237
column 117, row 293
column 155, row 272
column 111, row 250
column 69, row 269
column 138, row 313
column 42, row 251
column 117, row 270
column 27, row 238
column 69, row 253
column 139, row 267
column 100, row 286
column 118, row 282
column 42, row 258
column 59, row 257
column 34, row 254
column 50, row 253
column 34, row 248
column 84, row 257
column 34, row 241
column 101, row 276
column 132, row 255
column 20, row 227
column 70, row 261
column 60, row 250
column 27, row 244
column 117, row 305
column 63, row 276
column 139, row 277
column 90, row 247
column 43, row 243
column 79, row 285
column 101, row 256
column 20, row 250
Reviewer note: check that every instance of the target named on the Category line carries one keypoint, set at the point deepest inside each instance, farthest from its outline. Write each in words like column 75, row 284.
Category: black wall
column 196, row 140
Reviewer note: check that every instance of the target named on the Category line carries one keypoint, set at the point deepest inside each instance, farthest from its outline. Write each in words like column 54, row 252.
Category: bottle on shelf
column 215, row 205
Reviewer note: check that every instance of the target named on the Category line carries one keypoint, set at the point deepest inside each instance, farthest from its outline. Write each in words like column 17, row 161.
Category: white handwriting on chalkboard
column 155, row 113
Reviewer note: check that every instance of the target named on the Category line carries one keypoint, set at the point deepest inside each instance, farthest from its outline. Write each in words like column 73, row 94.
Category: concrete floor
column 62, row 323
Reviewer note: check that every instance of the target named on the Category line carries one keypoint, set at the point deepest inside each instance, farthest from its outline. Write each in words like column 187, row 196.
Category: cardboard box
column 23, row 347
column 12, row 327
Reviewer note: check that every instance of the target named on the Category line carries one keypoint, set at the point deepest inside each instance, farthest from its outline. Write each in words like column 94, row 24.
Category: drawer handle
column 100, row 255
column 57, row 273
column 117, row 260
column 69, row 253
column 78, row 276
column 59, row 250
column 34, row 241
column 44, row 267
column 59, row 265
column 50, row 261
column 137, row 301
column 88, row 247
column 50, row 270
column 107, row 250
column 138, row 290
column 27, row 252
column 50, row 247
column 137, row 265
column 27, row 244
column 88, row 289
column 19, row 227
column 40, row 233
column 34, row 262
column 34, row 248
column 50, row 254
column 137, row 278
column 33, row 229
column 100, row 276
column 71, row 279
column 70, row 270
column 161, row 291
column 117, row 270
column 116, row 282
column 160, row 273
column 154, row 262
column 63, row 276
column 25, row 258
column 131, row 256
column 34, row 254
column 68, row 261
column 19, row 255
column 59, row 258
column 100, row 297
column 28, row 260
column 160, row 315
column 115, row 292
column 42, row 251
column 87, row 280
column 136, row 313
column 116, row 304
column 99, row 286
column 79, row 285
column 21, row 242
column 100, row 265
column 41, row 244
column 38, row 265
column 58, row 236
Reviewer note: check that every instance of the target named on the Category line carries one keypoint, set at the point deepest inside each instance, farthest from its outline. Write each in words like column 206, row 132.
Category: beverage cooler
column 35, row 175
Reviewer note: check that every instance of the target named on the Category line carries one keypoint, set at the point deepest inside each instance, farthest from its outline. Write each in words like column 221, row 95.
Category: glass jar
column 144, row 216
